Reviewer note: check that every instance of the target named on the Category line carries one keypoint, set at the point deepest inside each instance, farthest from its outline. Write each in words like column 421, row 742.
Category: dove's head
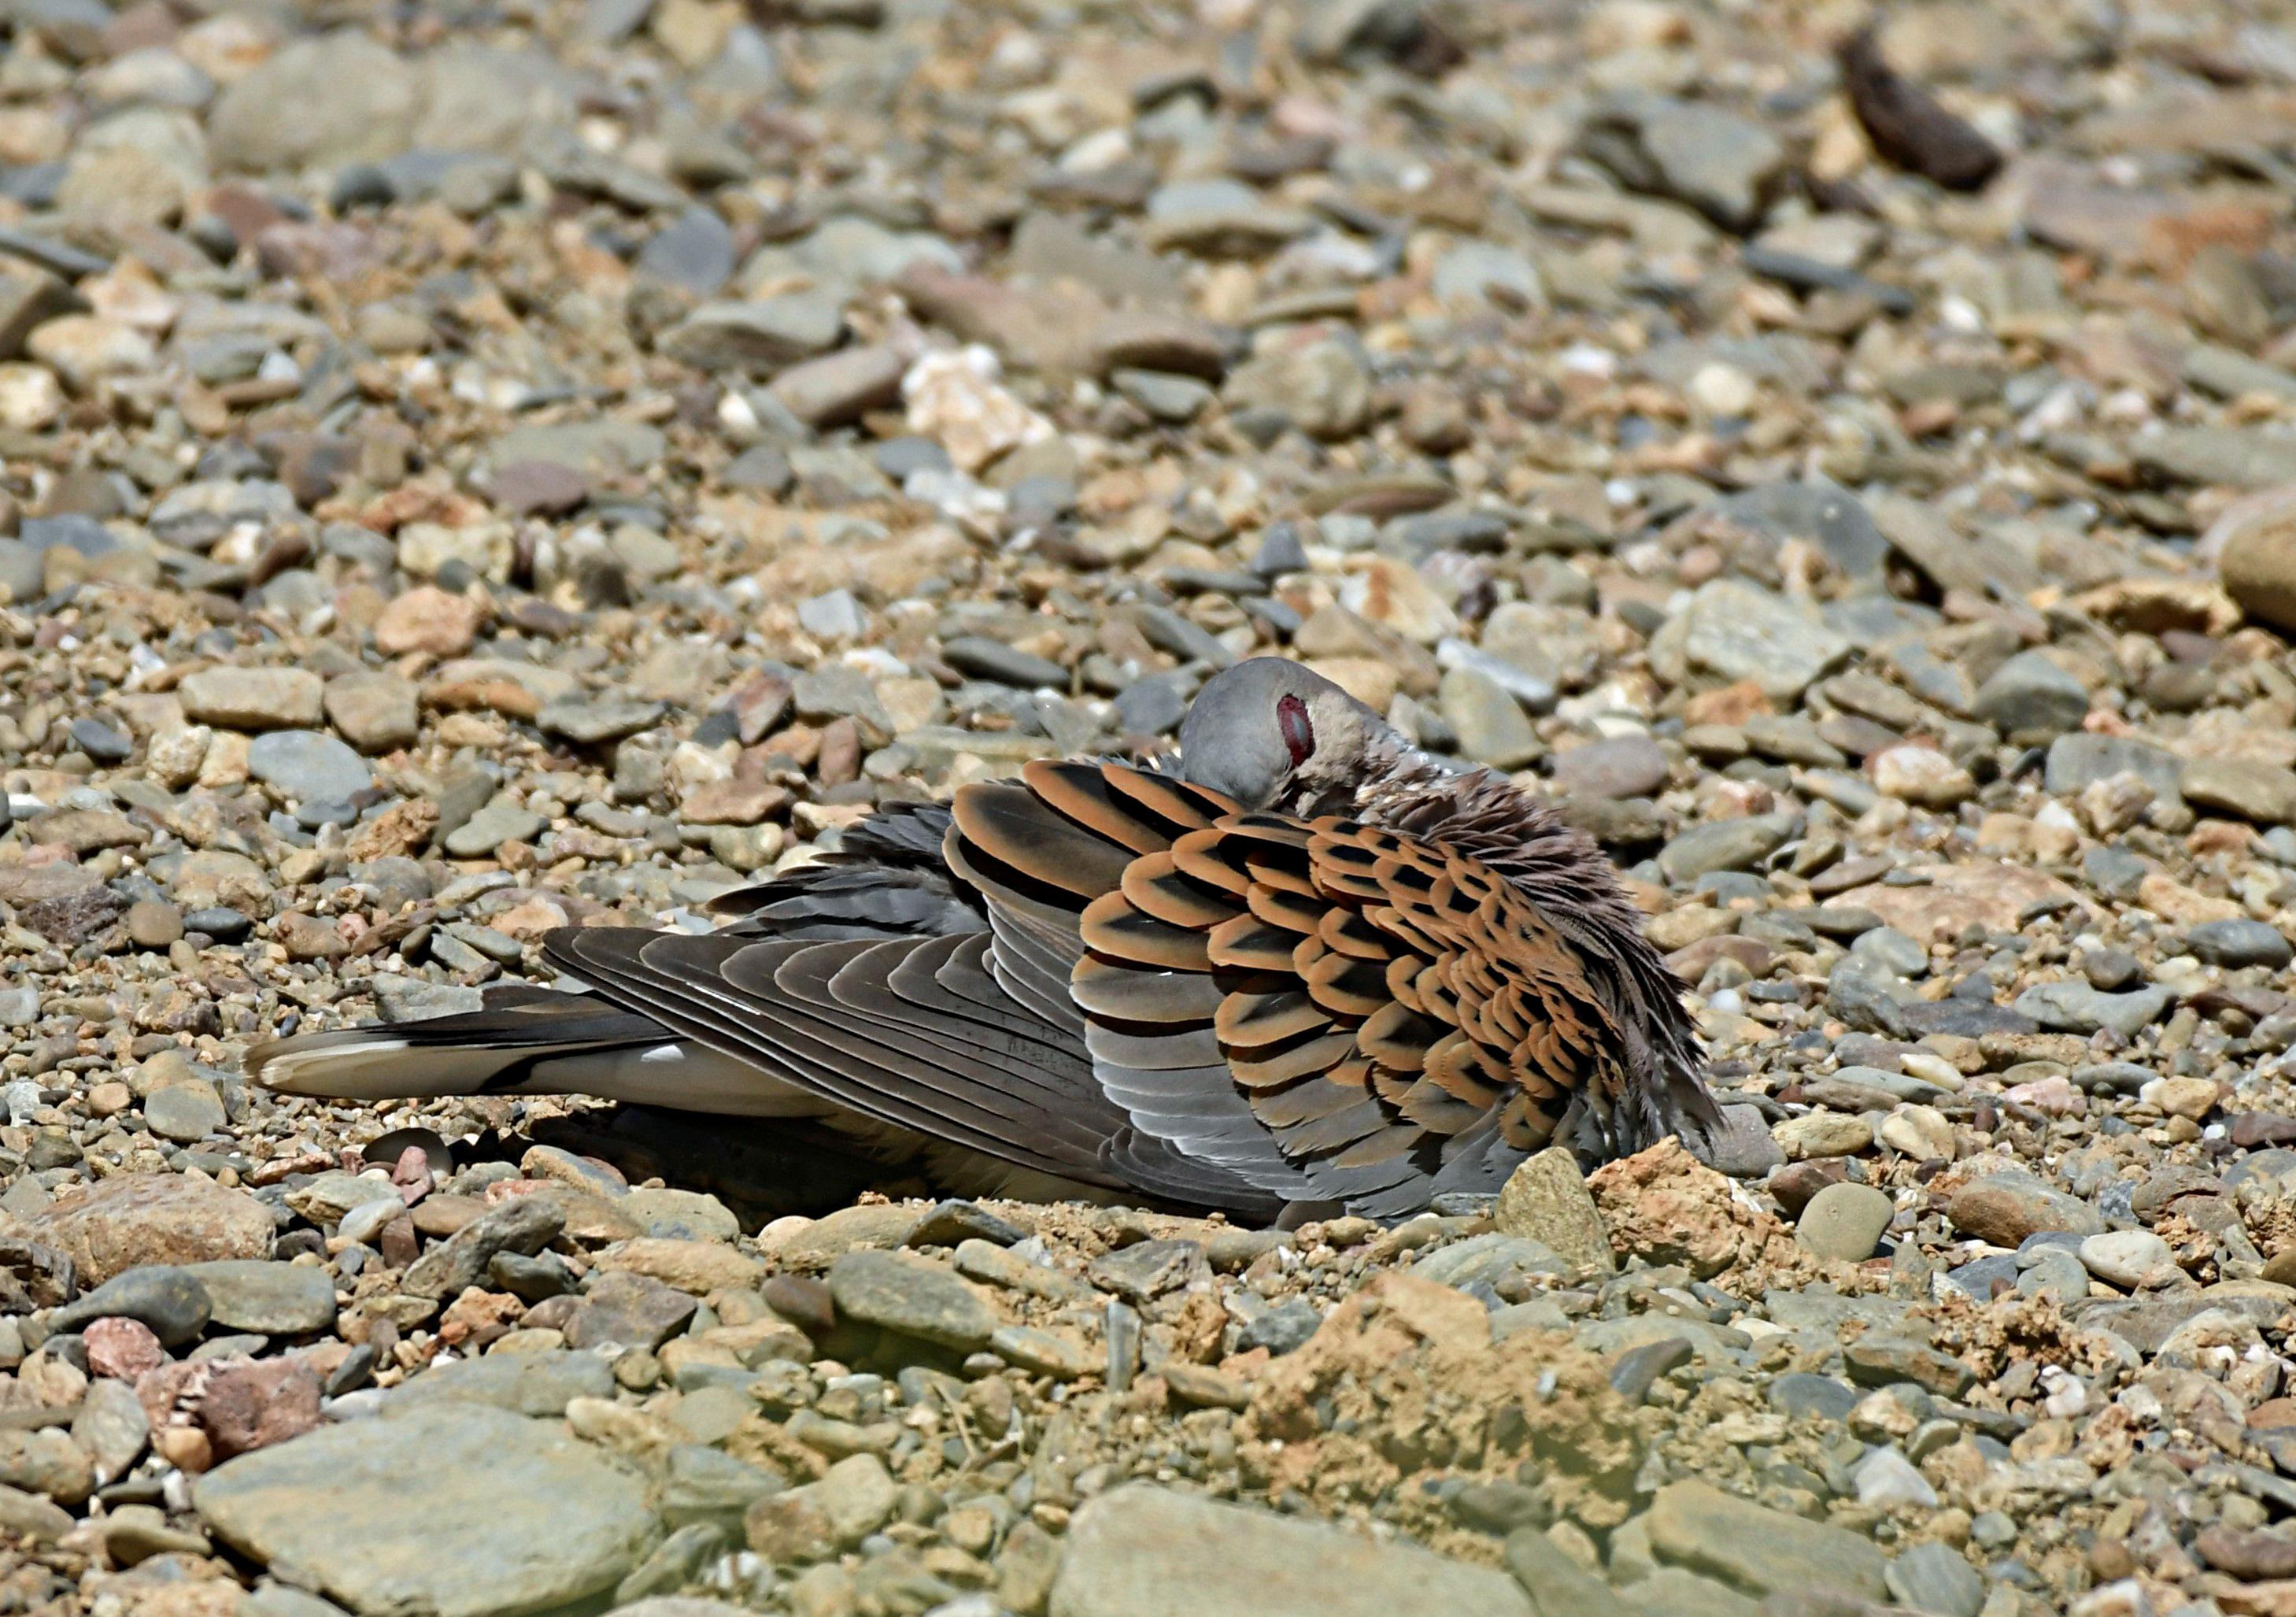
column 1268, row 732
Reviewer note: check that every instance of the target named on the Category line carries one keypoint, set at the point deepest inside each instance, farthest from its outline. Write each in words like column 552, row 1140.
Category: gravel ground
column 469, row 469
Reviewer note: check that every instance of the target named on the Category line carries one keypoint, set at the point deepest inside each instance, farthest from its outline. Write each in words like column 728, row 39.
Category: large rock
column 1699, row 1526
column 1141, row 1551
column 454, row 1510
column 119, row 1223
column 317, row 102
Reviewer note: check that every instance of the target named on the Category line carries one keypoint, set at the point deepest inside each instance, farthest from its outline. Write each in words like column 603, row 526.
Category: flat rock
column 1701, row 1527
column 119, row 1223
column 450, row 1511
column 272, row 1299
column 1118, row 1560
column 911, row 1298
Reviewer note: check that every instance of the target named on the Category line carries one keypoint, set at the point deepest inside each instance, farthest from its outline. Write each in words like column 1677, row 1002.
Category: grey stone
column 524, row 1224
column 1558, row 1585
column 315, row 102
column 2251, row 788
column 1622, row 767
column 455, row 1511
column 840, row 387
column 978, row 657
column 2079, row 762
column 1831, row 515
column 1736, row 631
column 169, row 1300
column 1490, row 724
column 2244, row 457
column 630, row 1311
column 538, row 1384
column 1799, row 1393
column 273, row 1298
column 184, row 1112
column 2234, row 944
column 695, row 251
column 1719, row 162
column 594, row 722
column 1323, row 389
column 911, row 1298
column 1699, row 1526
column 253, row 698
column 2075, row 1008
column 1486, row 272
column 1119, row 1561
column 1491, row 1258
column 1742, row 1147
column 1883, row 1361
column 490, row 827
column 1935, row 1578
column 760, row 337
column 308, row 766
column 1724, row 845
column 1844, row 1221
column 2030, row 698
column 2133, row 1259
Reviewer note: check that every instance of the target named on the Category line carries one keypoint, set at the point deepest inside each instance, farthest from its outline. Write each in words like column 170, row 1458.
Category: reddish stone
column 122, row 1348
column 251, row 1403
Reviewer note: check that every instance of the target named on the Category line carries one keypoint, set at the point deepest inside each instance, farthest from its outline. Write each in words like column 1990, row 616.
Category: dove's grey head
column 1268, row 732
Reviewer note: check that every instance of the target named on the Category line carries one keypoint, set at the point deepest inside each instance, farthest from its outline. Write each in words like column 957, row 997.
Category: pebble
column 2133, row 1259
column 1845, row 1221
column 912, row 1298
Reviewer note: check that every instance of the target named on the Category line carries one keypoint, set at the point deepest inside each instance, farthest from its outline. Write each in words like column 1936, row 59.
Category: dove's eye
column 1298, row 735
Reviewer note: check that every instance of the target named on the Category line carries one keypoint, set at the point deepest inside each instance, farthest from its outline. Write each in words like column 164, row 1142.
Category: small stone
column 122, row 1348
column 430, row 619
column 760, row 338
column 911, row 1298
column 1491, row 726
column 1734, row 631
column 2261, row 793
column 168, row 1300
column 1886, row 1480
column 1935, row 1578
column 1546, row 1200
column 840, row 387
column 844, row 1506
column 1323, row 388
column 269, row 1298
column 1822, row 1134
column 2075, row 1008
column 2235, row 944
column 184, row 1112
column 2030, row 699
column 2133, row 1259
column 2003, row 1209
column 307, row 767
column 1845, row 1221
column 1756, row 1548
column 375, row 711
column 252, row 699
column 1723, row 845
